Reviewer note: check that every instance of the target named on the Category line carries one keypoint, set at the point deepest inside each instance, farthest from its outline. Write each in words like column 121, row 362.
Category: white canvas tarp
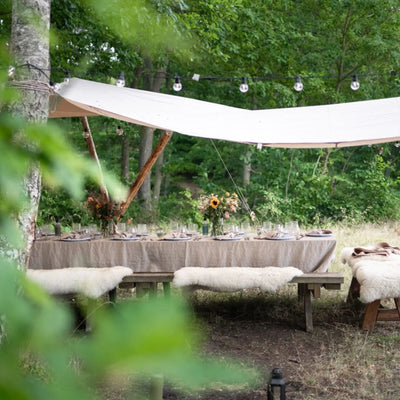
column 335, row 125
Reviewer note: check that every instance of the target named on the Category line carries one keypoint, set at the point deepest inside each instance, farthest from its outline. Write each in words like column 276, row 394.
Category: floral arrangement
column 216, row 208
column 102, row 211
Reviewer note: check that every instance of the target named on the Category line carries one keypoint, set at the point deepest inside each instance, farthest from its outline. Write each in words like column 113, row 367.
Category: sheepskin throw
column 232, row 279
column 377, row 274
column 90, row 282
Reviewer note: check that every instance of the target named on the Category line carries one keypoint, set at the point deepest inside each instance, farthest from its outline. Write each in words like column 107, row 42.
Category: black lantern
column 277, row 386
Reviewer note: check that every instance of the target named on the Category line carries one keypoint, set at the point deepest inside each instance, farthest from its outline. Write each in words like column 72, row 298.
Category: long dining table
column 146, row 255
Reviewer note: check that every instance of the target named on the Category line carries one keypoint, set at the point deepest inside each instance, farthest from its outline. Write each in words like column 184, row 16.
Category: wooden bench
column 373, row 311
column 308, row 286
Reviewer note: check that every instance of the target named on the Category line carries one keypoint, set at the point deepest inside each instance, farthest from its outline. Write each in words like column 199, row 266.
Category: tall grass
column 337, row 361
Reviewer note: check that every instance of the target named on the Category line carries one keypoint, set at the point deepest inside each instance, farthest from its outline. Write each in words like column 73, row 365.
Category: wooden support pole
column 144, row 172
column 93, row 153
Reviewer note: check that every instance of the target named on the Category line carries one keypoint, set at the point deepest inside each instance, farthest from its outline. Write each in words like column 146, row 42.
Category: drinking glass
column 292, row 228
column 76, row 226
column 141, row 229
column 121, row 226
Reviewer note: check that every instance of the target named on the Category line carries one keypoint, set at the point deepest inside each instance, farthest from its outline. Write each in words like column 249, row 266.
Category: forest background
column 270, row 43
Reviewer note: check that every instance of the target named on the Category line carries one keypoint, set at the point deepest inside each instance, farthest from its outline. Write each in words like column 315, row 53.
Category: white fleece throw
column 90, row 282
column 232, row 279
column 378, row 275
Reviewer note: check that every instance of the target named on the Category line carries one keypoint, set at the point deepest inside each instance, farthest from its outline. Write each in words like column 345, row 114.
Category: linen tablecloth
column 308, row 254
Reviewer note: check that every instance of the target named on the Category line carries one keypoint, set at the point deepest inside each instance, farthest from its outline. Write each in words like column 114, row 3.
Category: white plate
column 126, row 239
column 177, row 239
column 319, row 234
column 75, row 240
column 281, row 238
column 228, row 239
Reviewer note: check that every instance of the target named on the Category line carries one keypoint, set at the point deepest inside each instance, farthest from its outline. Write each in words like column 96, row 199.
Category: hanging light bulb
column 121, row 79
column 244, row 87
column 11, row 71
column 355, row 85
column 85, row 134
column 67, row 76
column 298, row 86
column 177, row 84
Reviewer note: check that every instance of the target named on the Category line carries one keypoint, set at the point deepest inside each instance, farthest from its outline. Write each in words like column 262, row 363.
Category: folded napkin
column 320, row 232
column 76, row 236
column 178, row 235
column 273, row 235
column 125, row 235
column 382, row 248
column 230, row 235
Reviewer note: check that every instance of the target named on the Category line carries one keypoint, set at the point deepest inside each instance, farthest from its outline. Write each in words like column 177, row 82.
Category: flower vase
column 107, row 228
column 217, row 227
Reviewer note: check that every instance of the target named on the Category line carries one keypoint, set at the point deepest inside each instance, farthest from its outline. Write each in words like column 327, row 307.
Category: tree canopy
column 270, row 43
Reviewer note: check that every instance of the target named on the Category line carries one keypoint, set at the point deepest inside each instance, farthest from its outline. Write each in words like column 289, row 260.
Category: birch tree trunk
column 30, row 45
column 246, row 171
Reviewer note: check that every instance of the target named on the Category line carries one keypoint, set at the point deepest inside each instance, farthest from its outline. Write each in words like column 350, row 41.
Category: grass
column 337, row 361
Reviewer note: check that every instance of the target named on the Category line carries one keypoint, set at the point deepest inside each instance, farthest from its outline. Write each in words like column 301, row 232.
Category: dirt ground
column 267, row 332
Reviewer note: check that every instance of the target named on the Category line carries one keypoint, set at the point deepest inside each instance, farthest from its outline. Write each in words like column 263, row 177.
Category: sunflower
column 214, row 202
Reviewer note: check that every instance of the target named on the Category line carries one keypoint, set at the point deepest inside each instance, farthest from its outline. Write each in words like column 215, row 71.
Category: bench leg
column 305, row 293
column 112, row 295
column 167, row 289
column 153, row 290
column 140, row 289
column 308, row 310
column 354, row 290
column 370, row 315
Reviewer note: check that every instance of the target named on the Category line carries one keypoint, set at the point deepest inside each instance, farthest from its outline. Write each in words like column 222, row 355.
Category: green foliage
column 39, row 357
column 40, row 360
column 180, row 207
column 325, row 41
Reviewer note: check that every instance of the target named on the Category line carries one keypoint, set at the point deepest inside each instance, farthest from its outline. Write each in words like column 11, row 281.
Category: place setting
column 319, row 233
column 177, row 233
column 76, row 237
column 289, row 231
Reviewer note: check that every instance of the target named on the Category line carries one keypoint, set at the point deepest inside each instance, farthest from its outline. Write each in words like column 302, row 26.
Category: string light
column 355, row 85
column 244, row 87
column 67, row 76
column 121, row 79
column 298, row 86
column 11, row 71
column 177, row 84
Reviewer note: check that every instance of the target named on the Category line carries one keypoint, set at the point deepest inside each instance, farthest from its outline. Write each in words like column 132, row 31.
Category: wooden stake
column 144, row 172
column 93, row 153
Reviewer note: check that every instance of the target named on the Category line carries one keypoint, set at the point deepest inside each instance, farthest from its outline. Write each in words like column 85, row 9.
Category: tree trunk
column 145, row 148
column 158, row 177
column 30, row 45
column 146, row 135
column 125, row 156
column 246, row 170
